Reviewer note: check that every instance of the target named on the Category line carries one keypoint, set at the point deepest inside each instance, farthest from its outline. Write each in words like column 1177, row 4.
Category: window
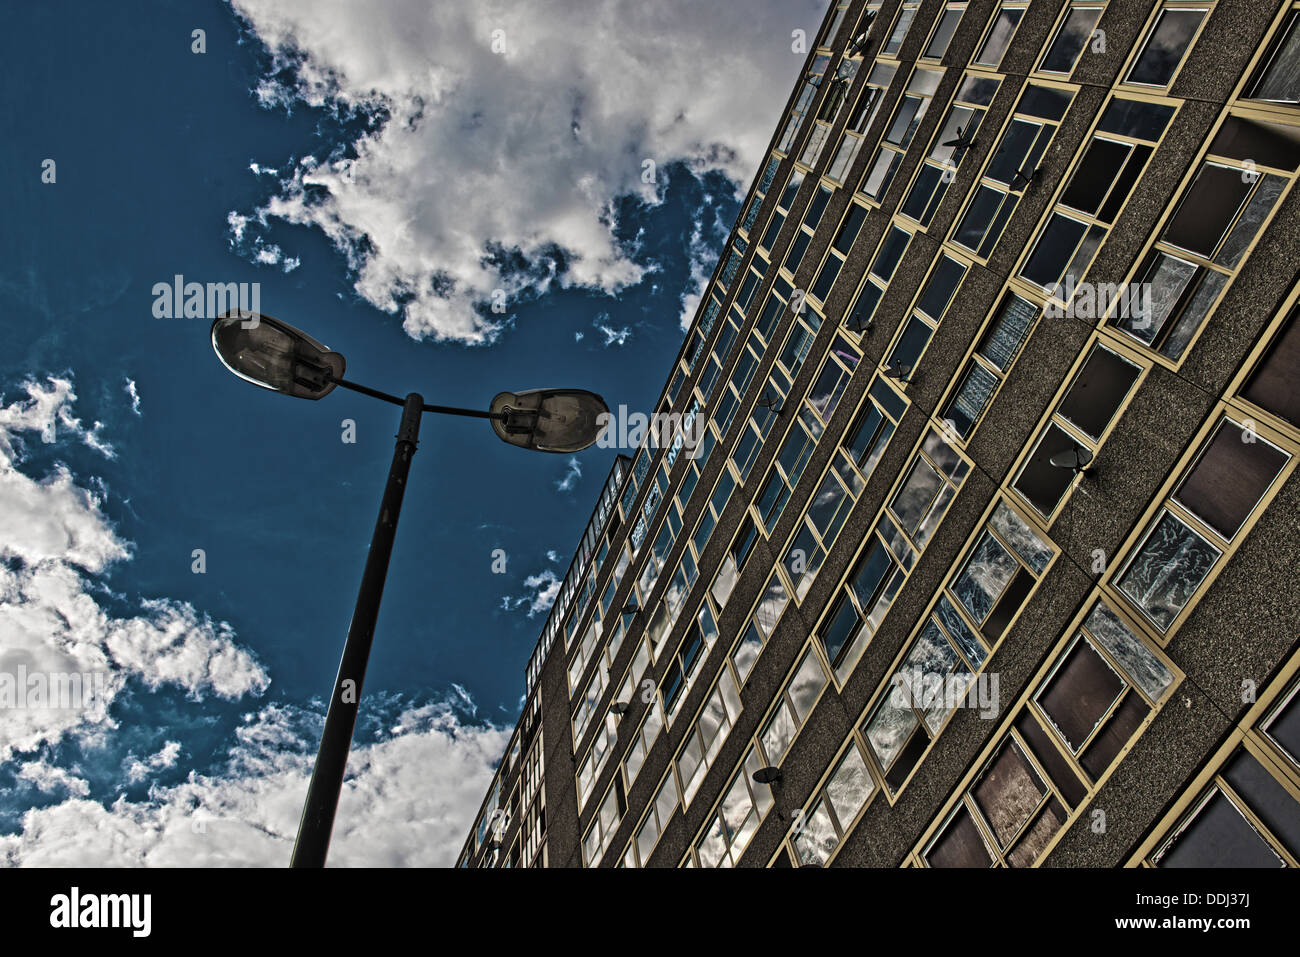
column 944, row 28
column 806, row 95
column 1231, row 474
column 830, row 816
column 832, row 28
column 937, row 671
column 1208, row 235
column 864, row 111
column 762, row 622
column 1244, row 809
column 828, row 111
column 914, row 335
column 733, row 562
column 717, row 359
column 604, row 824
column 754, row 433
column 890, row 551
column 1277, row 79
column 705, row 737
column 1097, row 693
column 652, row 826
column 883, row 265
column 833, row 378
column 954, row 139
column 1071, row 37
column 999, row 36
column 1012, row 168
column 898, row 135
column 793, row 706
column 1229, row 825
column 644, row 740
column 785, row 471
column 838, row 252
column 1271, row 385
column 760, row 192
column 993, row 357
column 812, row 217
column 733, row 823
column 783, row 205
column 853, row 462
column 600, row 750
column 1104, row 176
column 1165, row 45
column 735, row 388
column 1100, row 387
column 682, row 671
column 899, row 33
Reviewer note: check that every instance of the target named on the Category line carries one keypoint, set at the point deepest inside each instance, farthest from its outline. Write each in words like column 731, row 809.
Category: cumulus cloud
column 51, row 779
column 394, row 810
column 54, row 540
column 508, row 132
column 137, row 770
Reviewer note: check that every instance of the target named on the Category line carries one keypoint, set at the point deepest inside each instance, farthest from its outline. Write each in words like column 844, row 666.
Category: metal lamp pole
column 340, row 720
column 274, row 355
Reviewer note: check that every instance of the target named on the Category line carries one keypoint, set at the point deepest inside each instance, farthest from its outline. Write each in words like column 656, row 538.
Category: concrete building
column 989, row 552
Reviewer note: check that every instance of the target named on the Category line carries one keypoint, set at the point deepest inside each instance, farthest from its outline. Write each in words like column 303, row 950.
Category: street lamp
column 274, row 355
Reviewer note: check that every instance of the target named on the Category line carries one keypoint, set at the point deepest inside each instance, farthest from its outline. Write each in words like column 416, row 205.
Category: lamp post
column 276, row 356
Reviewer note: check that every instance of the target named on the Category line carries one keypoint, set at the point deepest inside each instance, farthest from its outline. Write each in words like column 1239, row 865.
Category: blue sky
column 380, row 169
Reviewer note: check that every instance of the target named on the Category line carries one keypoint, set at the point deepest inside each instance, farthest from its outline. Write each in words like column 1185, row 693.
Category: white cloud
column 134, row 394
column 545, row 586
column 411, row 795
column 708, row 233
column 552, row 555
column 409, row 800
column 570, row 477
column 51, row 779
column 137, row 770
column 524, row 150
column 613, row 337
column 56, row 539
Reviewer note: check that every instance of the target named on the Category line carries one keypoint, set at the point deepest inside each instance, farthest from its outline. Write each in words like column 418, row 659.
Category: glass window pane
column 1001, row 343
column 999, row 38
column 1217, row 836
column 1278, row 78
column 1097, row 391
column 1165, row 47
column 1079, row 693
column 959, row 844
column 1232, row 474
column 1070, row 40
column 1008, row 793
column 1207, row 209
column 986, row 574
column 1272, row 386
column 1140, row 666
column 913, row 500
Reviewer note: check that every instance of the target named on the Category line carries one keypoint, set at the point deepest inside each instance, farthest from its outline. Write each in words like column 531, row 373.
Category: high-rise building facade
column 988, row 550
